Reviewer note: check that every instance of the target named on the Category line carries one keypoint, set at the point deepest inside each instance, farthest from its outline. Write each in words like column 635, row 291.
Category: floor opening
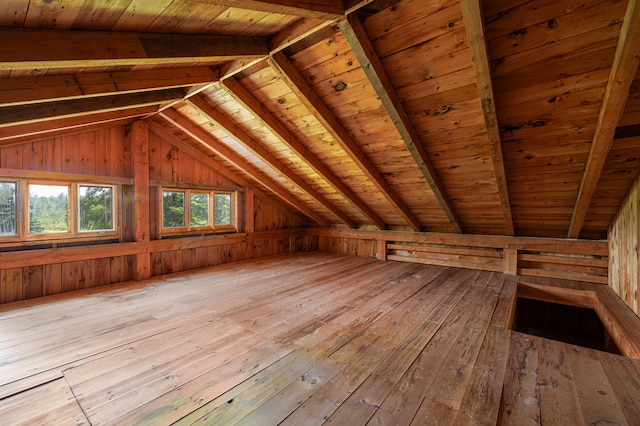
column 565, row 323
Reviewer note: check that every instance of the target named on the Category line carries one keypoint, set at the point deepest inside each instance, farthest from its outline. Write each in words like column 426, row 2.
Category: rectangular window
column 197, row 210
column 173, row 209
column 95, row 208
column 223, row 209
column 8, row 209
column 41, row 210
column 199, row 204
column 48, row 209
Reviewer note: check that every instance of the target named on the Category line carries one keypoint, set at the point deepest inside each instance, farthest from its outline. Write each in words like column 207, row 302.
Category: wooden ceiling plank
column 291, row 76
column 364, row 51
column 31, row 113
column 242, row 136
column 24, row 49
column 24, row 90
column 207, row 140
column 477, row 37
column 242, row 95
column 36, row 131
column 318, row 9
column 623, row 70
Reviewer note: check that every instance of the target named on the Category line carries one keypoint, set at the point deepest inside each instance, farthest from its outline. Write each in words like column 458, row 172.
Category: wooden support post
column 510, row 261
column 382, row 249
column 140, row 144
column 249, row 223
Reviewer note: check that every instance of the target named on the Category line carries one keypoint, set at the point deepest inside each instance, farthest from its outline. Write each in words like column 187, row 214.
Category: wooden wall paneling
column 156, row 264
column 624, row 260
column 11, row 285
column 11, row 157
column 33, row 282
column 52, row 279
column 102, row 271
column 32, row 156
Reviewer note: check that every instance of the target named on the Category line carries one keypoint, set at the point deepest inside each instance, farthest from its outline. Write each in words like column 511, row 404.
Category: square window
column 95, row 208
column 173, row 209
column 48, row 209
column 8, row 210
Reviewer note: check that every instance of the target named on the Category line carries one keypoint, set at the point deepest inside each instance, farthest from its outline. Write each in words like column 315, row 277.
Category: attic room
column 304, row 212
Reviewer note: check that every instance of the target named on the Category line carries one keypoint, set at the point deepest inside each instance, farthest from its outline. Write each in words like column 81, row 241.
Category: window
column 42, row 210
column 189, row 210
column 48, row 209
column 95, row 208
column 8, row 209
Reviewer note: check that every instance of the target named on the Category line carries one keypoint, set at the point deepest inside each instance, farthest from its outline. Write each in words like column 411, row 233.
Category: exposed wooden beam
column 31, row 113
column 623, row 71
column 241, row 135
column 295, row 32
column 242, row 95
column 291, row 76
column 47, row 129
column 363, row 49
column 29, row 48
column 25, row 90
column 320, row 9
column 477, row 37
column 142, row 204
column 206, row 139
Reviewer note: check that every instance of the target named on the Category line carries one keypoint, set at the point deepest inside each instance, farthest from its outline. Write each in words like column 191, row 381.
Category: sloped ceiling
column 492, row 117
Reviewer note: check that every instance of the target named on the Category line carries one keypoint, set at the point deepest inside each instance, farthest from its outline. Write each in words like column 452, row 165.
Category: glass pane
column 223, row 209
column 173, row 209
column 199, row 209
column 7, row 208
column 48, row 209
column 95, row 208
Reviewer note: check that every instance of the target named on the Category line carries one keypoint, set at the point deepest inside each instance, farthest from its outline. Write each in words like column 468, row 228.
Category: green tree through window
column 96, row 208
column 199, row 203
column 223, row 209
column 173, row 209
column 48, row 209
column 7, row 208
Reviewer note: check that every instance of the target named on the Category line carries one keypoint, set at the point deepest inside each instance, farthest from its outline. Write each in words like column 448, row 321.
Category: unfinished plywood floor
column 302, row 339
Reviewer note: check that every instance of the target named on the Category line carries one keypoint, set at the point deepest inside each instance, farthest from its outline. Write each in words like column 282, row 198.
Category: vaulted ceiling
column 517, row 117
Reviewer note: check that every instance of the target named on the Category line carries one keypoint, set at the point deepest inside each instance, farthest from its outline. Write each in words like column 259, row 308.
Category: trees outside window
column 206, row 210
column 8, row 209
column 48, row 209
column 95, row 208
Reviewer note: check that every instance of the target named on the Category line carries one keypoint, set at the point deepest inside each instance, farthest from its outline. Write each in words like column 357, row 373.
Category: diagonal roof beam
column 623, row 70
column 291, row 76
column 30, row 48
column 207, row 140
column 363, row 49
column 321, row 9
column 23, row 133
column 477, row 38
column 31, row 113
column 246, row 99
column 242, row 136
column 25, row 90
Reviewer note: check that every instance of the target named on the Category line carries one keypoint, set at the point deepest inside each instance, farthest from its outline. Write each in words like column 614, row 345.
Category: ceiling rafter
column 477, row 39
column 23, row 133
column 242, row 95
column 319, row 9
column 26, row 90
column 30, row 48
column 291, row 76
column 241, row 135
column 207, row 140
column 361, row 46
column 623, row 70
column 31, row 113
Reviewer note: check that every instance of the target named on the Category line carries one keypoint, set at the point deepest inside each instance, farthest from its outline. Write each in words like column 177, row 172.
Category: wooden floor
column 302, row 339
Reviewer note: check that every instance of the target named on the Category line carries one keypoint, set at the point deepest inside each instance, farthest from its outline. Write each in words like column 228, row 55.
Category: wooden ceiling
column 517, row 117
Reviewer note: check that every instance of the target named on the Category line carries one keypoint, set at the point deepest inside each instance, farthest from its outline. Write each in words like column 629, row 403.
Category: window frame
column 188, row 229
column 23, row 211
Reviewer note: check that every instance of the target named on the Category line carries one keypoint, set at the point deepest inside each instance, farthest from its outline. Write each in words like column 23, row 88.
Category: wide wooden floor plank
column 306, row 338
